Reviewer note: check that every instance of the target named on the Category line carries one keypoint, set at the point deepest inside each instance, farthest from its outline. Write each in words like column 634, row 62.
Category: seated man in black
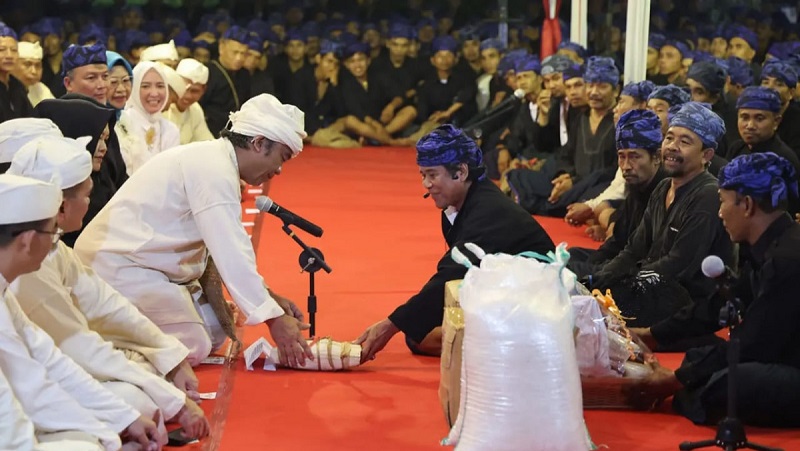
column 639, row 155
column 782, row 77
column 658, row 272
column 754, row 192
column 473, row 211
column 706, row 82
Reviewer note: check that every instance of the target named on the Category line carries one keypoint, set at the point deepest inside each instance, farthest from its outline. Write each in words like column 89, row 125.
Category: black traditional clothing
column 368, row 100
column 320, row 112
column 439, row 95
column 788, row 129
column 14, row 101
column 492, row 221
column 226, row 91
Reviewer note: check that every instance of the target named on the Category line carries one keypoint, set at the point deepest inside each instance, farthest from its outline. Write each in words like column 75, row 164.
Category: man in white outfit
column 153, row 240
column 88, row 320
column 186, row 113
column 59, row 398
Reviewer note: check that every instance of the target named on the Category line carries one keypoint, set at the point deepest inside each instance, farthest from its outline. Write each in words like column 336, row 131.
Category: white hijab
column 134, row 106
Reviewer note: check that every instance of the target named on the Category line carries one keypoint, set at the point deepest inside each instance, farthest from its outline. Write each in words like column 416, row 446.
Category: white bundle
column 329, row 355
column 520, row 385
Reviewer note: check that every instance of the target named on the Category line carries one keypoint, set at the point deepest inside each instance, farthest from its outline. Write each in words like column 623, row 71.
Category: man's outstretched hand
column 375, row 338
column 287, row 333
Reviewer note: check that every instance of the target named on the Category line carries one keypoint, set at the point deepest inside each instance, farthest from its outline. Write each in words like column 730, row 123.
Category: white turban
column 194, row 70
column 62, row 161
column 29, row 51
column 266, row 116
column 26, row 200
column 175, row 81
column 160, row 52
column 15, row 133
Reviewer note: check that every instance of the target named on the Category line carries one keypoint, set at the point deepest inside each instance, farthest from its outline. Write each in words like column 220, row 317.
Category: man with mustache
column 658, row 272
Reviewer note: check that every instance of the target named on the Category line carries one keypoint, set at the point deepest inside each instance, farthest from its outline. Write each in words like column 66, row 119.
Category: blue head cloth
column 6, row 31
column 671, row 94
column 207, row 27
column 91, row 33
column 528, row 63
column 509, row 61
column 759, row 98
column 355, row 47
column 346, row 39
column 556, row 63
column 780, row 70
column 639, row 129
column 83, row 55
column 255, row 42
column 762, row 175
column 698, row 118
column 740, row 71
column 492, row 43
column 575, row 70
column 601, row 69
column 311, row 29
column 705, row 31
column 296, row 35
column 683, row 49
column 400, row 30
column 656, row 41
column 721, row 32
column 700, row 56
column 779, row 50
column 47, row 26
column 257, row 26
column 327, row 46
column 575, row 47
column 426, row 22
column 639, row 90
column 710, row 75
column 444, row 44
column 236, row 33
column 132, row 39
column 201, row 44
column 447, row 145
column 183, row 39
column 469, row 33
column 749, row 36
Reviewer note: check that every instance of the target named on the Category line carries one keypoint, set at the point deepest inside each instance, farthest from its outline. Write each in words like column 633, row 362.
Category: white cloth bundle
column 329, row 355
column 520, row 385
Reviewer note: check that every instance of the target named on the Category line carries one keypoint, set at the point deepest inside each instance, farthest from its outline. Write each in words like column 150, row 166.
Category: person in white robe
column 142, row 131
column 186, row 113
column 29, row 72
column 14, row 133
column 53, row 391
column 152, row 241
column 88, row 320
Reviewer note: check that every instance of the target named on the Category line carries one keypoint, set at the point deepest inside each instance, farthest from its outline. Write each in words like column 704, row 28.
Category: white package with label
column 520, row 384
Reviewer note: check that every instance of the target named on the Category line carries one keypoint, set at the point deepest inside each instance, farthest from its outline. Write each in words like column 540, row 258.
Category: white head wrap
column 26, row 200
column 193, row 70
column 266, row 116
column 29, row 51
column 160, row 52
column 15, row 133
column 134, row 102
column 175, row 81
column 62, row 161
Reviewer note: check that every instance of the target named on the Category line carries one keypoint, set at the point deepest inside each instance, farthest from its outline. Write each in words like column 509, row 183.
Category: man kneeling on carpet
column 473, row 210
column 754, row 193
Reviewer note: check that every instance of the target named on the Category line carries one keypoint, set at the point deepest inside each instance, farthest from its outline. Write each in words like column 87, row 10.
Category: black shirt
column 525, row 138
column 674, row 241
column 587, row 152
column 789, row 128
column 489, row 219
column 439, row 95
column 14, row 101
column 226, row 91
column 404, row 78
column 728, row 114
column 366, row 101
column 261, row 83
column 320, row 112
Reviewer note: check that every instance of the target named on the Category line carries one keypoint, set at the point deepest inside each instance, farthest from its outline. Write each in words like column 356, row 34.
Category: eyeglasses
column 114, row 82
column 55, row 234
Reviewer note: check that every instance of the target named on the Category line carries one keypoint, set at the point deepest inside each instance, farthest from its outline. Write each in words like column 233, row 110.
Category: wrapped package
column 520, row 385
column 591, row 337
column 452, row 344
column 329, row 355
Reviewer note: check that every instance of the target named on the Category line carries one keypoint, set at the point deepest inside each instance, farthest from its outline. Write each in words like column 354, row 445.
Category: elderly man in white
column 88, row 320
column 153, row 240
column 61, row 400
column 29, row 72
column 186, row 113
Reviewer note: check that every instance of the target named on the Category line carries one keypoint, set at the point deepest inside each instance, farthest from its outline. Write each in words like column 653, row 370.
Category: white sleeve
column 16, row 429
column 615, row 191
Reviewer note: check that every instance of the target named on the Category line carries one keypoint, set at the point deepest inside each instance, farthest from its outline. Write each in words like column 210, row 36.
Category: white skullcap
column 160, row 52
column 29, row 51
column 175, row 81
column 193, row 70
column 26, row 200
column 15, row 133
column 266, row 116
column 61, row 161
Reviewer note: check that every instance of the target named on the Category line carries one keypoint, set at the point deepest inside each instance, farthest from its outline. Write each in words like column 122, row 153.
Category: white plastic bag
column 591, row 338
column 520, row 385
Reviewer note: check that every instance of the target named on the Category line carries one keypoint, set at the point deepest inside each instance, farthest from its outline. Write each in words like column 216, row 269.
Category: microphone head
column 713, row 267
column 263, row 203
column 519, row 93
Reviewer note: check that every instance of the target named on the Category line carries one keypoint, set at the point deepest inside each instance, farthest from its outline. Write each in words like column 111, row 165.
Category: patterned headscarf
column 448, row 145
column 759, row 98
column 575, row 47
column 740, row 71
column 236, row 33
column 742, row 32
column 639, row 129
column 444, row 43
column 640, row 91
column 6, row 31
column 83, row 55
column 528, row 63
column 698, row 118
column 671, row 94
column 556, row 63
column 780, row 70
column 710, row 75
column 763, row 175
column 601, row 69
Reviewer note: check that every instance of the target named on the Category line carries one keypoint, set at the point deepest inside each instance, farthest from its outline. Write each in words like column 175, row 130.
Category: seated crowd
column 112, row 250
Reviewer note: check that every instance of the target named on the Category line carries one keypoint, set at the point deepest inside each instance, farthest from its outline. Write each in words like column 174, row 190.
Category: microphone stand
column 730, row 431
column 311, row 260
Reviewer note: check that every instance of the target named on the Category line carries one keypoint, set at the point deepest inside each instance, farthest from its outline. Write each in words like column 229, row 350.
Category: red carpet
column 382, row 240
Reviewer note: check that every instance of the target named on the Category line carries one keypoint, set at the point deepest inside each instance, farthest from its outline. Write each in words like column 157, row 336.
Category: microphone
column 714, row 268
column 426, row 195
column 266, row 205
column 493, row 118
